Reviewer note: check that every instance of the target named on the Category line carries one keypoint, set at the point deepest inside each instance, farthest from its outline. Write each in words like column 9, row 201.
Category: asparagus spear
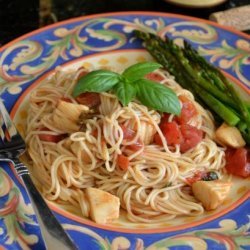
column 204, row 80
column 221, row 82
column 208, row 70
column 160, row 51
column 197, row 75
column 225, row 113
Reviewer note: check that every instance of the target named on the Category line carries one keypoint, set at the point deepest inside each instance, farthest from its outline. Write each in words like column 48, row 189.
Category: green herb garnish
column 210, row 176
column 96, row 81
column 125, row 91
column 131, row 84
column 157, row 96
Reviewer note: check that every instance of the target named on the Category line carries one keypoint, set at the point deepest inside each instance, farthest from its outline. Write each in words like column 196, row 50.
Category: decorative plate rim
column 122, row 13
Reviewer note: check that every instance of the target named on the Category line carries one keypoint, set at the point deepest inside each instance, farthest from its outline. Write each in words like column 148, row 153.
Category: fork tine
column 7, row 122
column 1, row 127
column 1, row 131
column 11, row 151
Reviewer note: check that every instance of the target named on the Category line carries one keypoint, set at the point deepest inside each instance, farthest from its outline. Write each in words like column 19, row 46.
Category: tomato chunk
column 50, row 138
column 238, row 162
column 196, row 177
column 66, row 99
column 172, row 133
column 153, row 76
column 178, row 132
column 157, row 139
column 164, row 118
column 123, row 162
column 188, row 110
column 136, row 146
column 95, row 133
column 186, row 135
column 89, row 99
column 202, row 175
column 83, row 73
column 191, row 137
column 128, row 133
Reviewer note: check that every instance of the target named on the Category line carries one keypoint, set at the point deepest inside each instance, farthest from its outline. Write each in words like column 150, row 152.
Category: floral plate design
column 107, row 40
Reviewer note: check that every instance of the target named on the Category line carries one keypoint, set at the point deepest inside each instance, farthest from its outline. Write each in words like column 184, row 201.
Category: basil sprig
column 157, row 96
column 131, row 84
column 96, row 81
column 125, row 91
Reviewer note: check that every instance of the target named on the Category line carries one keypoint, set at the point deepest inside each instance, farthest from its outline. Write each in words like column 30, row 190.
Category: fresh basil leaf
column 125, row 92
column 96, row 81
column 157, row 96
column 139, row 70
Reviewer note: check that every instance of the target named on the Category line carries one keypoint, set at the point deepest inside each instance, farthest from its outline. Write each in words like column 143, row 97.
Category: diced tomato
column 238, row 162
column 128, row 133
column 153, row 76
column 89, row 99
column 188, row 110
column 186, row 135
column 191, row 137
column 123, row 162
column 66, row 99
column 50, row 138
column 196, row 177
column 83, row 73
column 172, row 133
column 157, row 139
column 136, row 146
column 164, row 118
column 95, row 133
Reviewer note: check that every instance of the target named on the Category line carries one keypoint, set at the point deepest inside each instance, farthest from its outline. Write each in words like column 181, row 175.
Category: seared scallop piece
column 66, row 115
column 104, row 207
column 211, row 193
column 229, row 136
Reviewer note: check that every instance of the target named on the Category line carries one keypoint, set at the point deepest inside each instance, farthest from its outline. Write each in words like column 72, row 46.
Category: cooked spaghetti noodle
column 154, row 187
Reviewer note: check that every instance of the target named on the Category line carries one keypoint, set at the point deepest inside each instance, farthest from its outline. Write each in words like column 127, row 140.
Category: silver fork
column 12, row 146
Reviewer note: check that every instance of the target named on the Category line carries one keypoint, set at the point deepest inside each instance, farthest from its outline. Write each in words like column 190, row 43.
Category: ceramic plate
column 196, row 3
column 107, row 40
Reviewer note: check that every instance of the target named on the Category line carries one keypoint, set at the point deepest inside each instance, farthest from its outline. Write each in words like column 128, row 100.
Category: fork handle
column 53, row 233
